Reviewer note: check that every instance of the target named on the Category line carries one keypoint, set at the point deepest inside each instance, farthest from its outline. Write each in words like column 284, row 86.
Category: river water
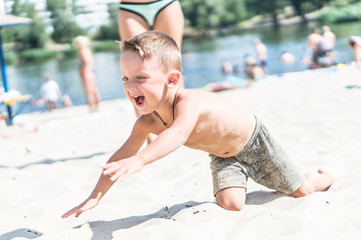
column 202, row 60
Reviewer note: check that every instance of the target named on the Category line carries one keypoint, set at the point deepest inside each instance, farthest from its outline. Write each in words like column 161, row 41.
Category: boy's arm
column 186, row 117
column 129, row 148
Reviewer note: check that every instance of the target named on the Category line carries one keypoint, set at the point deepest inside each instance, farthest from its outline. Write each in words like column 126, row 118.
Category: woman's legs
column 171, row 21
column 130, row 24
column 91, row 90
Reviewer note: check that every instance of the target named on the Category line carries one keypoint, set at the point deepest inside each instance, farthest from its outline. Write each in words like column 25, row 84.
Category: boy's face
column 144, row 81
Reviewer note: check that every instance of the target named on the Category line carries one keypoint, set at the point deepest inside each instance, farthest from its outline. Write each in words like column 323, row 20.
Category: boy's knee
column 230, row 205
column 232, row 199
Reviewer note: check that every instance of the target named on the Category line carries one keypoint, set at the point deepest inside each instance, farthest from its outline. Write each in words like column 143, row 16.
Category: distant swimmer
column 313, row 39
column 355, row 43
column 324, row 55
column 227, row 68
column 329, row 35
column 261, row 53
column 287, row 57
column 253, row 71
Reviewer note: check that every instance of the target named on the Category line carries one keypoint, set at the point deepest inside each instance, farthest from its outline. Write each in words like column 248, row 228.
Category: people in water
column 261, row 50
column 322, row 47
column 355, row 43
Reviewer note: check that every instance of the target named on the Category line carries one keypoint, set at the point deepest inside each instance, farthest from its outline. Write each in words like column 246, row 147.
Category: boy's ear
column 173, row 78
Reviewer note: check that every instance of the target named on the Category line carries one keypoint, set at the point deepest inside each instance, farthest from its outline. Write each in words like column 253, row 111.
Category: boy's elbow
column 181, row 137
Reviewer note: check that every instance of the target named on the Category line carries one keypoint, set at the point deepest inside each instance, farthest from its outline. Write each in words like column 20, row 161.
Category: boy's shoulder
column 200, row 99
column 193, row 97
column 192, row 94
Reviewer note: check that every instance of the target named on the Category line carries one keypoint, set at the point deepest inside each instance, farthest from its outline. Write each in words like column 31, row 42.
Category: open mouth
column 139, row 100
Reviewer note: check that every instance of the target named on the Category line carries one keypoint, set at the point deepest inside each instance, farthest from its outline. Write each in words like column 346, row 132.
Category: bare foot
column 333, row 177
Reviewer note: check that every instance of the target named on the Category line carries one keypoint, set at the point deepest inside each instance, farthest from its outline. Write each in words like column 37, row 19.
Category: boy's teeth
column 138, row 99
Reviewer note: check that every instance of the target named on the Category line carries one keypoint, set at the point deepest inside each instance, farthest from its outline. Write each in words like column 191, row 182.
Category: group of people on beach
column 238, row 143
column 50, row 93
column 322, row 47
column 321, row 44
column 51, row 96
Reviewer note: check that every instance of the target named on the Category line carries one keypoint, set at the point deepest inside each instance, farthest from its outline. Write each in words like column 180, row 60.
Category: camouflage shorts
column 263, row 160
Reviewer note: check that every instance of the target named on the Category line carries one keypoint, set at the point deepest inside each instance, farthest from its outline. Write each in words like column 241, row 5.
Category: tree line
column 200, row 15
column 206, row 14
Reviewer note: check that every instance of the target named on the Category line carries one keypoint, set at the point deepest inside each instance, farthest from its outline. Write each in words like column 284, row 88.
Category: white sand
column 312, row 114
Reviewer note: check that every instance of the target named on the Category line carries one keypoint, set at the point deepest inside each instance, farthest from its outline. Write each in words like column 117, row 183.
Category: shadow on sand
column 262, row 197
column 105, row 229
column 108, row 227
column 49, row 161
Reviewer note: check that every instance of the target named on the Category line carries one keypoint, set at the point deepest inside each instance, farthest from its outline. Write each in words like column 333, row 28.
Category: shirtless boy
column 238, row 143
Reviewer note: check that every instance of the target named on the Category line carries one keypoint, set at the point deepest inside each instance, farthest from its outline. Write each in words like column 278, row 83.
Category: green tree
column 110, row 31
column 17, row 8
column 234, row 11
column 36, row 35
column 272, row 8
column 27, row 36
column 200, row 14
column 297, row 5
column 206, row 14
column 301, row 7
column 62, row 15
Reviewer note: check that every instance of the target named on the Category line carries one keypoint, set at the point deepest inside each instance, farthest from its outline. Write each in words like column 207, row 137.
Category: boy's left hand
column 123, row 168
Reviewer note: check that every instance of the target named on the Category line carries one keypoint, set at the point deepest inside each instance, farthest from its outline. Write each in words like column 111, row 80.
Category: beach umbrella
column 7, row 21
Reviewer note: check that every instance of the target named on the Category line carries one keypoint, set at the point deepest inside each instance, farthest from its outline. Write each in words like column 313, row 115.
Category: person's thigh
column 233, row 198
column 130, row 24
column 171, row 21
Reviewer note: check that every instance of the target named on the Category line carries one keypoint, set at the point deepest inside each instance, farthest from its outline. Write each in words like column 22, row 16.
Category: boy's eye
column 125, row 79
column 141, row 77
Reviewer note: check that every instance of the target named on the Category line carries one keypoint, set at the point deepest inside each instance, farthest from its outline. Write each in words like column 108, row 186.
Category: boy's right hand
column 83, row 207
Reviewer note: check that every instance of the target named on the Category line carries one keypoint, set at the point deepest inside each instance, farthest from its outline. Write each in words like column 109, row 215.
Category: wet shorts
column 263, row 160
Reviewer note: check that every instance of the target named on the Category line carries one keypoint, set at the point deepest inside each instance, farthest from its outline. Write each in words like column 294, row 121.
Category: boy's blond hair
column 155, row 44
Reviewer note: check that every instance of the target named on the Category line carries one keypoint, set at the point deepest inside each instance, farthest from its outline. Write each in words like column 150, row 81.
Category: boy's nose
column 130, row 86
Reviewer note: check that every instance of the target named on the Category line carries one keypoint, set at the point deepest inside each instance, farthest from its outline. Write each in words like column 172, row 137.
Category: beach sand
column 313, row 114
